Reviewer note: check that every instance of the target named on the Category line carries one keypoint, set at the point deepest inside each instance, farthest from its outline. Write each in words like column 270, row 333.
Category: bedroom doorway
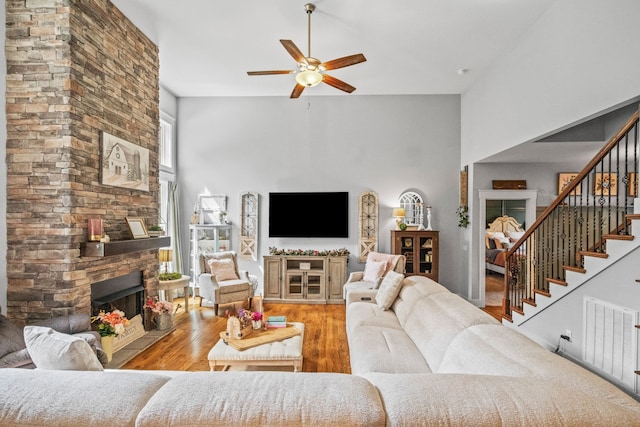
column 519, row 204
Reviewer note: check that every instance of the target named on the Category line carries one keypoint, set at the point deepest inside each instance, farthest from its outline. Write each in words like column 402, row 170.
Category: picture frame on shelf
column 137, row 227
column 212, row 208
column 605, row 184
column 565, row 179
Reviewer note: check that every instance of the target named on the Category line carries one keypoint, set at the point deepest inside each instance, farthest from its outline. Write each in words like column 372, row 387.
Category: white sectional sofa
column 437, row 359
column 432, row 359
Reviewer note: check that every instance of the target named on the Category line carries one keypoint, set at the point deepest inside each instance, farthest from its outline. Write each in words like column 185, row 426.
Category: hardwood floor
column 494, row 283
column 324, row 349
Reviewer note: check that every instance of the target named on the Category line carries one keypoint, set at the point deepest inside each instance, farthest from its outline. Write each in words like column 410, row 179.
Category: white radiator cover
column 611, row 340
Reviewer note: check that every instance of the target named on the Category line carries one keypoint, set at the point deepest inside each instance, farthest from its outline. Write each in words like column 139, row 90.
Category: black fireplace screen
column 125, row 293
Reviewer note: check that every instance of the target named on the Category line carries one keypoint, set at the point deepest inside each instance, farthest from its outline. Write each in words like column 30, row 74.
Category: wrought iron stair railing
column 593, row 206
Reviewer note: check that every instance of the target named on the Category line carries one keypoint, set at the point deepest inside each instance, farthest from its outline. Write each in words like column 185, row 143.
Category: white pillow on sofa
column 53, row 350
column 373, row 271
column 389, row 289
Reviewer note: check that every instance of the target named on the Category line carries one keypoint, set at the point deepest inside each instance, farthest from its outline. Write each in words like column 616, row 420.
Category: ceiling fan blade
column 297, row 91
column 338, row 84
column 344, row 61
column 293, row 50
column 267, row 73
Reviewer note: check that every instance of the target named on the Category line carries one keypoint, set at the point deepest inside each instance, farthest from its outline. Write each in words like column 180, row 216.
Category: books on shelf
column 276, row 322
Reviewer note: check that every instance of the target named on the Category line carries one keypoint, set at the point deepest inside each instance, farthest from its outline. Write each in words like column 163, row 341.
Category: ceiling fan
column 311, row 70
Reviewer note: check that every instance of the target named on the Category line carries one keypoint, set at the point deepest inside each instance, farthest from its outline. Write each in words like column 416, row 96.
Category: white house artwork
column 124, row 164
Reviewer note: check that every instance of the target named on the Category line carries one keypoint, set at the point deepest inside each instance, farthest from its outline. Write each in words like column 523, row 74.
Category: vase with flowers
column 161, row 312
column 243, row 324
column 110, row 325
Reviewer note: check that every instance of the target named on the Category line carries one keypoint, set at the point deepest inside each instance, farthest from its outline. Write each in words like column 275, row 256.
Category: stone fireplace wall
column 74, row 68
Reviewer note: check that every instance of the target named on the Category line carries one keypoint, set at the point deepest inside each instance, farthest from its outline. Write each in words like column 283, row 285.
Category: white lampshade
column 398, row 213
column 308, row 78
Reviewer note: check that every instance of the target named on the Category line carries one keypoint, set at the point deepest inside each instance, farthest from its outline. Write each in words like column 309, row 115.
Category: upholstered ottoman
column 277, row 353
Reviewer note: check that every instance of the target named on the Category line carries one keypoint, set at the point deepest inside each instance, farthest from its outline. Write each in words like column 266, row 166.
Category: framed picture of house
column 137, row 227
column 564, row 179
column 605, row 184
column 123, row 164
column 633, row 184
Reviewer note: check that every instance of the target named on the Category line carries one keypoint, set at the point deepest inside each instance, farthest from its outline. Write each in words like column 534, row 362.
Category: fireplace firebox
column 125, row 293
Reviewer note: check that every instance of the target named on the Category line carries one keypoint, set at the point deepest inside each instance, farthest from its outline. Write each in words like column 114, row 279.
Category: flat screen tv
column 309, row 214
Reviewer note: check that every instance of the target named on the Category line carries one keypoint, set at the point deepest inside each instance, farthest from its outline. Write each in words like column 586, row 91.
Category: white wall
column 579, row 59
column 388, row 144
column 615, row 285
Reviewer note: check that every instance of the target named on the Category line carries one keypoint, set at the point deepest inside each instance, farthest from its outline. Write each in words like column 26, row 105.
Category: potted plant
column 110, row 325
column 155, row 231
column 161, row 312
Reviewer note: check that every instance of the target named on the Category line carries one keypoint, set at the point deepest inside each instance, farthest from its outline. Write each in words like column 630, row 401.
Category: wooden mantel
column 101, row 249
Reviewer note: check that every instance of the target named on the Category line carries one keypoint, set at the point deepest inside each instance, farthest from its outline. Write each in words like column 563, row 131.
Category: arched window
column 413, row 207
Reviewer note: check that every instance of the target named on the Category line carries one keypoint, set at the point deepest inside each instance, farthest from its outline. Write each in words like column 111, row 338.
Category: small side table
column 167, row 286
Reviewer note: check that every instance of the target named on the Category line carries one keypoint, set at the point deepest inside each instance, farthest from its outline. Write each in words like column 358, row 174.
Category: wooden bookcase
column 308, row 279
column 421, row 249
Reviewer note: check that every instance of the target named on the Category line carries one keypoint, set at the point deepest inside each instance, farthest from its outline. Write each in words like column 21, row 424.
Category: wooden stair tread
column 594, row 254
column 507, row 318
column 617, row 237
column 574, row 269
column 556, row 281
column 530, row 302
column 541, row 292
column 632, row 216
column 517, row 310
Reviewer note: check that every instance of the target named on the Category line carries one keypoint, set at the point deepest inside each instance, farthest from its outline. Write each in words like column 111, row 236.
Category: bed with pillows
column 500, row 236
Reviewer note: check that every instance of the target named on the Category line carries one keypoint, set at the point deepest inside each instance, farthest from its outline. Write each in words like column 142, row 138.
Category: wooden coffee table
column 287, row 352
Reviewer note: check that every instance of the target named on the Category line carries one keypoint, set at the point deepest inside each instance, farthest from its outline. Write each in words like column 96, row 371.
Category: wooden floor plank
column 325, row 346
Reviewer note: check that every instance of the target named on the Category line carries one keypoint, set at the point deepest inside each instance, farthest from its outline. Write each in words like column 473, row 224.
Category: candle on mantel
column 94, row 229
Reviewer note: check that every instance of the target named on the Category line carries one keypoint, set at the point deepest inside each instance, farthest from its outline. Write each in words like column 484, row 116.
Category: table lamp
column 166, row 256
column 399, row 214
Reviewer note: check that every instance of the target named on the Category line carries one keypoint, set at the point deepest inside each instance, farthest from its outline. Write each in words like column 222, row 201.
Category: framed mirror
column 413, row 207
column 213, row 207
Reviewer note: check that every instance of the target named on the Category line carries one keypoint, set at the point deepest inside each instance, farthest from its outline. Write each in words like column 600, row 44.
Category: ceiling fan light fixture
column 308, row 78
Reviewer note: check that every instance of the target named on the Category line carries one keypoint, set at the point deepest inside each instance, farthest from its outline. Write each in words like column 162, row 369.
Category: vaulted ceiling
column 411, row 46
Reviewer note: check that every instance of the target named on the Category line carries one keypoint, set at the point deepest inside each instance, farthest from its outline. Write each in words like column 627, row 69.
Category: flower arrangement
column 309, row 252
column 157, row 306
column 111, row 324
column 247, row 317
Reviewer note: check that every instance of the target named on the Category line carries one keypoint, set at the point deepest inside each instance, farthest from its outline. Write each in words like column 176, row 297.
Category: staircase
column 592, row 224
column 617, row 247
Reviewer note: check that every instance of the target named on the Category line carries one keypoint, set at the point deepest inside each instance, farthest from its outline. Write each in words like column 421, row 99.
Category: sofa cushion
column 74, row 398
column 498, row 350
column 485, row 400
column 389, row 289
column 413, row 289
column 53, row 350
column 264, row 398
column 223, row 269
column 369, row 314
column 435, row 320
column 380, row 349
column 11, row 338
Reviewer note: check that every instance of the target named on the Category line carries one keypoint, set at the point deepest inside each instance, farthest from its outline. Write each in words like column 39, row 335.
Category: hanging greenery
column 463, row 216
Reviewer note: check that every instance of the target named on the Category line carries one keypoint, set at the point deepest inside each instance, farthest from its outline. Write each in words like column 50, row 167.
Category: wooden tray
column 259, row 337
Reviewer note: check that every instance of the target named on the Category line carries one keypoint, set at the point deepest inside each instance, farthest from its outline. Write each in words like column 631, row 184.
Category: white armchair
column 376, row 267
column 221, row 282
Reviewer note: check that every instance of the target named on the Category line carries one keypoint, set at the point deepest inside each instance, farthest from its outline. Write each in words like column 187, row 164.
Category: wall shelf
column 102, row 249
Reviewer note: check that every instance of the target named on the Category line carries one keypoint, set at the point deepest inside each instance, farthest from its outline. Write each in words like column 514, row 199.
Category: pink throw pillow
column 374, row 270
column 223, row 269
